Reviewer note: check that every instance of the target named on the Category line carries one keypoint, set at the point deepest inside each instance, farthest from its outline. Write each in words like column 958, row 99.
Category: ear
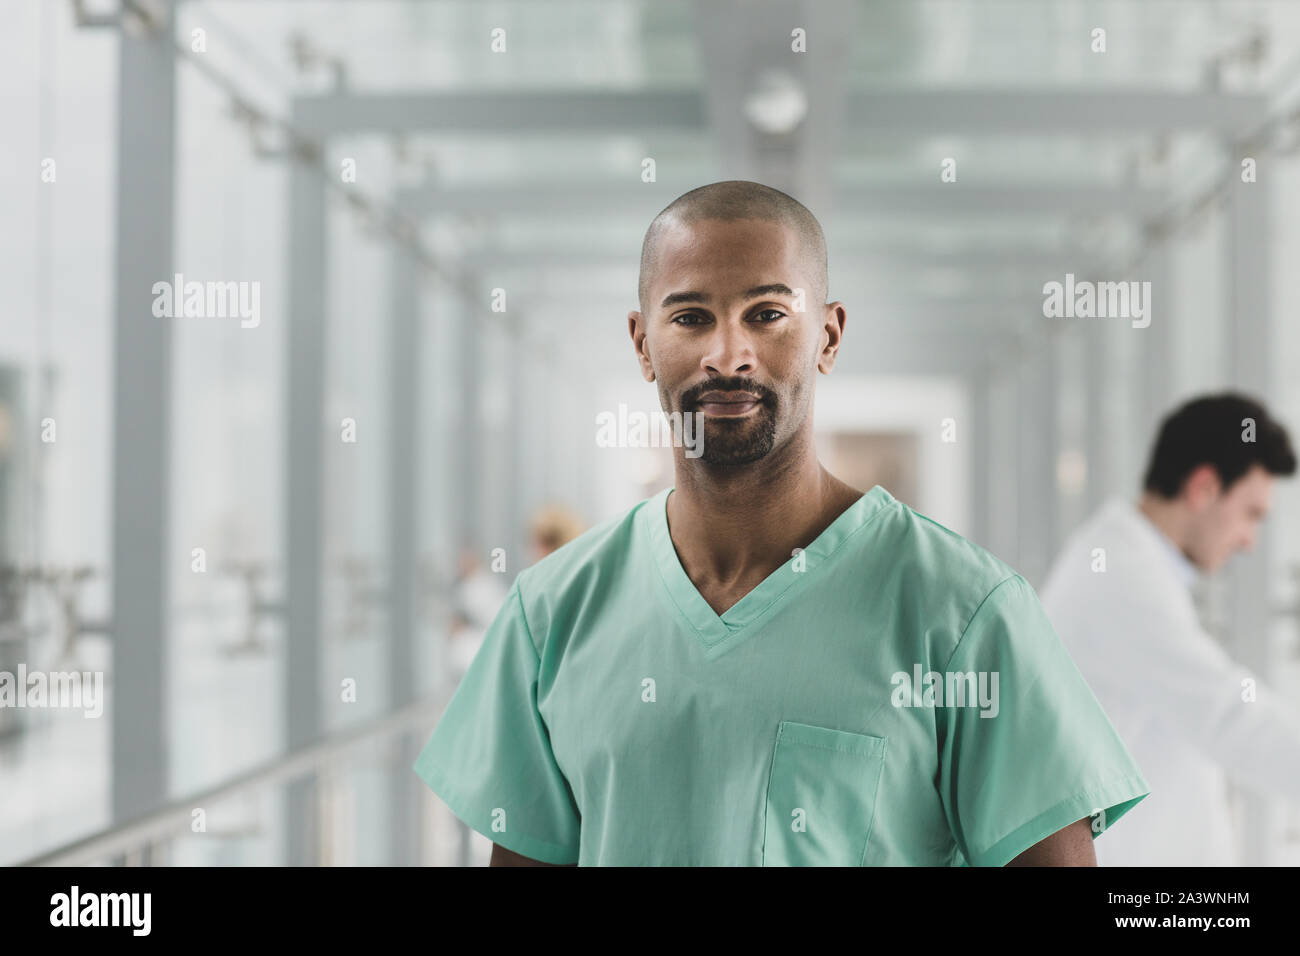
column 1202, row 486
column 832, row 336
column 636, row 329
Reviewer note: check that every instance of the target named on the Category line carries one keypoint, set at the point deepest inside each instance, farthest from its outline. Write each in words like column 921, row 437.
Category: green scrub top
column 892, row 695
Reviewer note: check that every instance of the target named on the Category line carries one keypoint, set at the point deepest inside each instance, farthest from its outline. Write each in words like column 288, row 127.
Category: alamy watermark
column 948, row 689
column 1098, row 300
column 128, row 910
column 208, row 300
column 64, row 690
column 635, row 429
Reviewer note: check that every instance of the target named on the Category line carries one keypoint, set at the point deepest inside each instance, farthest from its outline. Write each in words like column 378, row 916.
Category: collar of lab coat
column 1179, row 563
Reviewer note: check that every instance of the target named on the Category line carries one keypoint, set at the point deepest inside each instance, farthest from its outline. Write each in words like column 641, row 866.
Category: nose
column 729, row 350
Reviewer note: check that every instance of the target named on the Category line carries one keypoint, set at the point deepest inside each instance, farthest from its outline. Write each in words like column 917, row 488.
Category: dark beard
column 738, row 441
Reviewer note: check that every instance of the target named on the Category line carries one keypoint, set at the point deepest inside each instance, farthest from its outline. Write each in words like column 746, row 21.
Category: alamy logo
column 102, row 909
column 654, row 430
column 209, row 300
column 950, row 689
column 1098, row 300
column 69, row 690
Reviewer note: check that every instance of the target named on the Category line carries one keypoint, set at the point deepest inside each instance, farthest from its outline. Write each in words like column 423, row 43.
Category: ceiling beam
column 918, row 256
column 634, row 200
column 920, row 112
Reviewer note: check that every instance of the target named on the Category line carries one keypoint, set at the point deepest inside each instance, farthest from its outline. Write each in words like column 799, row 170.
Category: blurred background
column 276, row 523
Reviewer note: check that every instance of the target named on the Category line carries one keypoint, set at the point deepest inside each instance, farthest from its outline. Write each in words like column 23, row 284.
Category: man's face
column 722, row 335
column 1228, row 522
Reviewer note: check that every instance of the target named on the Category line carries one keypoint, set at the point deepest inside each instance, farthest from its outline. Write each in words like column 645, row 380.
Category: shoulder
column 937, row 559
column 943, row 589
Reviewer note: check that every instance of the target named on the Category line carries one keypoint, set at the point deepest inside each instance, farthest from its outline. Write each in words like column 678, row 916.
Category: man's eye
column 694, row 318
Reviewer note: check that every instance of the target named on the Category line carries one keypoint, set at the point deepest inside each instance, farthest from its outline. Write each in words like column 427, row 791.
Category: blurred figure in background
column 553, row 527
column 477, row 596
column 479, row 593
column 1119, row 597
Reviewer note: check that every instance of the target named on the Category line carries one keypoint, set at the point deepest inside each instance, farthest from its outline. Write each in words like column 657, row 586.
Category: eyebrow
column 775, row 288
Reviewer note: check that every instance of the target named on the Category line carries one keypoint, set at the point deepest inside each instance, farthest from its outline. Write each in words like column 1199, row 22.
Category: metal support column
column 468, row 449
column 977, row 435
column 142, row 363
column 515, row 436
column 1156, row 343
column 492, row 470
column 1037, row 465
column 305, row 352
column 1003, row 436
column 403, row 525
column 1098, row 372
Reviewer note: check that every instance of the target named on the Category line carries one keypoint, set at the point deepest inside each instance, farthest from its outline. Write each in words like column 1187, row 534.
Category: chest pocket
column 821, row 796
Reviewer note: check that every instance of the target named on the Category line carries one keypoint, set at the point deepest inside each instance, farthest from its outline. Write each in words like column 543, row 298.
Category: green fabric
column 611, row 717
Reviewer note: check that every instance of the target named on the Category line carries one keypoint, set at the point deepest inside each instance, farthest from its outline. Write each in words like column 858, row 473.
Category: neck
column 1168, row 517
column 730, row 525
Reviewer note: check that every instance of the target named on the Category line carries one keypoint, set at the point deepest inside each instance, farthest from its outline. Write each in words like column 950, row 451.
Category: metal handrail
column 175, row 816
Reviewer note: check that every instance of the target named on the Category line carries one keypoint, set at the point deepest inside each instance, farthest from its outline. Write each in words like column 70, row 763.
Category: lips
column 729, row 398
column 728, row 403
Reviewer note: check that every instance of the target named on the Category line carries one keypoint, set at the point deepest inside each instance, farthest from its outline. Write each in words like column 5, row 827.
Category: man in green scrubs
column 763, row 665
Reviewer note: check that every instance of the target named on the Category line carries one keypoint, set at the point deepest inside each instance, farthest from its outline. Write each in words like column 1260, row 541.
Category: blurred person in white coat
column 1119, row 596
column 478, row 596
column 480, row 592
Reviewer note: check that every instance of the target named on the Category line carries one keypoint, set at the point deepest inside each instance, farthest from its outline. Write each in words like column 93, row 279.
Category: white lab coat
column 479, row 596
column 1171, row 691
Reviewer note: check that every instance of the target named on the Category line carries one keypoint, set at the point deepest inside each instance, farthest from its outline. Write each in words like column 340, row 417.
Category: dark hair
column 1211, row 430
column 730, row 200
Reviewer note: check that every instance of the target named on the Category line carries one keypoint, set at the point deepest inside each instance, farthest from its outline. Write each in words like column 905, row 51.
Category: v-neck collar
column 720, row 632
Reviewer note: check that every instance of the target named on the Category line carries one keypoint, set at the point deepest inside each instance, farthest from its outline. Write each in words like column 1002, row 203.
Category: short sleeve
column 1026, row 748
column 490, row 757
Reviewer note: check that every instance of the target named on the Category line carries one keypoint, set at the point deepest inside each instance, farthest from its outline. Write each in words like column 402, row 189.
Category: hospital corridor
column 682, row 433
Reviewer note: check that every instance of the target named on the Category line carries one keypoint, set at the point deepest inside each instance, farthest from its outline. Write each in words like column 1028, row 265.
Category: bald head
column 729, row 201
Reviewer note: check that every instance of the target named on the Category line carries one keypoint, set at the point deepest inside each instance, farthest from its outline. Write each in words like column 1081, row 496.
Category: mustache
column 691, row 397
